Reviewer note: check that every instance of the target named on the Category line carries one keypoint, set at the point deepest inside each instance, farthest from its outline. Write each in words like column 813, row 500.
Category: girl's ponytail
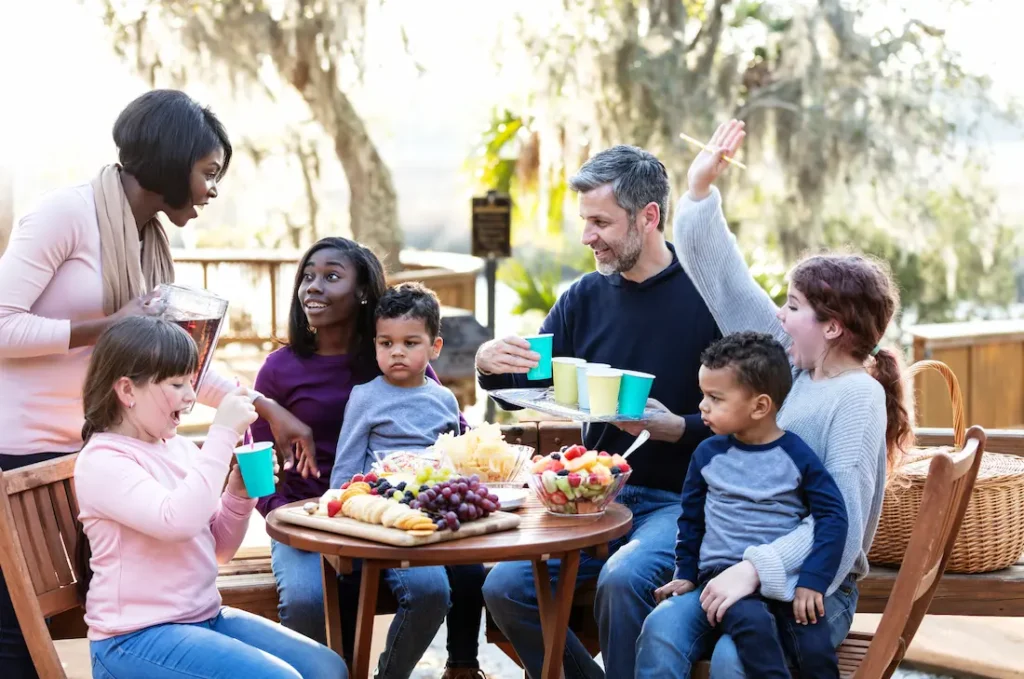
column 887, row 368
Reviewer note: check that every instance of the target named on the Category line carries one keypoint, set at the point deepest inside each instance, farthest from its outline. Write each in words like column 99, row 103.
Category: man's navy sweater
column 659, row 326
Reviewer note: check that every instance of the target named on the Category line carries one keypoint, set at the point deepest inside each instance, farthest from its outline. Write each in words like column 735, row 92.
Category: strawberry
column 357, row 478
column 575, row 480
column 604, row 453
column 346, row 485
column 374, row 491
column 558, row 498
column 624, row 466
column 572, row 452
column 333, row 507
column 370, row 478
column 594, row 479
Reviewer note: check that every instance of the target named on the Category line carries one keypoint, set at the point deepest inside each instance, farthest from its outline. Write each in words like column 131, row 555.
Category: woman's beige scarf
column 133, row 260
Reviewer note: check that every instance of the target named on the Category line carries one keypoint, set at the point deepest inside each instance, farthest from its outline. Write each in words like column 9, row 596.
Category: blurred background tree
column 311, row 46
column 852, row 108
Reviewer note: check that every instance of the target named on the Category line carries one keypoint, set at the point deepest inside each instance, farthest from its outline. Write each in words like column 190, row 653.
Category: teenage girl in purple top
column 330, row 349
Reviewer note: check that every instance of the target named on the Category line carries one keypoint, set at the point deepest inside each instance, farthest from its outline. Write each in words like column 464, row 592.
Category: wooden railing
column 260, row 281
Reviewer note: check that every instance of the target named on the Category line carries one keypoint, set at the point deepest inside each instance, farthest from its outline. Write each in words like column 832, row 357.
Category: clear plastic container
column 201, row 314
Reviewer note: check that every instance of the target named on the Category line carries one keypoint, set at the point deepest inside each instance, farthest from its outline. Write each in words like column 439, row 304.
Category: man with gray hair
column 639, row 311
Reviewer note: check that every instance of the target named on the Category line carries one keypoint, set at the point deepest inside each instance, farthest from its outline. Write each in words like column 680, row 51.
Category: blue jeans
column 232, row 644
column 639, row 562
column 766, row 634
column 677, row 635
column 424, row 596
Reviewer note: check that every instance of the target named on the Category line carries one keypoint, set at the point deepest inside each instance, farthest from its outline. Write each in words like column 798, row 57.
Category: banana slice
column 378, row 510
column 393, row 515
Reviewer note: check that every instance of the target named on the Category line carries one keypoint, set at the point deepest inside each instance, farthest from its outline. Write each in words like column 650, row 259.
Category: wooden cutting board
column 494, row 523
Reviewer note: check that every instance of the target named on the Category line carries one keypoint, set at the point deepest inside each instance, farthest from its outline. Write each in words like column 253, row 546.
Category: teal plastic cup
column 542, row 344
column 256, row 461
column 634, row 390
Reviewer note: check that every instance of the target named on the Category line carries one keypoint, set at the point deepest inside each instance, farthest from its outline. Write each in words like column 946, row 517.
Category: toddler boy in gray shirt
column 400, row 409
column 749, row 484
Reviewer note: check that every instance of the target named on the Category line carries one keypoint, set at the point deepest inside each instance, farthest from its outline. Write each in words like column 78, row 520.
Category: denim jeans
column 767, row 635
column 677, row 635
column 639, row 562
column 14, row 657
column 232, row 644
column 425, row 596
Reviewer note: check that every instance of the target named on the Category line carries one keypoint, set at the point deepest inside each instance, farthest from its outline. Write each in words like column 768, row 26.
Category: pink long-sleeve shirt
column 50, row 276
column 158, row 525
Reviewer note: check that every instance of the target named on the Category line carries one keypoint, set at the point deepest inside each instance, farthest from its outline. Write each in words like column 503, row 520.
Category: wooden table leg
column 364, row 623
column 542, row 585
column 555, row 619
column 332, row 613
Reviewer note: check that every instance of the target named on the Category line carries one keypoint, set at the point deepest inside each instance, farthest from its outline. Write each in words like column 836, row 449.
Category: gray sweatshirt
column 382, row 417
column 842, row 419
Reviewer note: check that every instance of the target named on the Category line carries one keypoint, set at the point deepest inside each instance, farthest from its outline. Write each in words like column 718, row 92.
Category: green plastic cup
column 633, row 392
column 564, row 371
column 542, row 344
column 603, row 389
column 256, row 461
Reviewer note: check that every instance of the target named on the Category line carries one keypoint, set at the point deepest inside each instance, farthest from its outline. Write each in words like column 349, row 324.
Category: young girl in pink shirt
column 158, row 522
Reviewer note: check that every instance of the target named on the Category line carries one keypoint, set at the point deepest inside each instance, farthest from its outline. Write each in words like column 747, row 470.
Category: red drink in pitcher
column 201, row 314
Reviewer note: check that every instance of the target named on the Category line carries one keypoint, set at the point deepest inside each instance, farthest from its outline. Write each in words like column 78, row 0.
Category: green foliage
column 491, row 169
column 951, row 256
column 507, row 159
column 536, row 285
column 769, row 272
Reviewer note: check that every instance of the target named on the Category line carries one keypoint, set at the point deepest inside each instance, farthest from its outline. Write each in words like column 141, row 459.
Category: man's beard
column 627, row 253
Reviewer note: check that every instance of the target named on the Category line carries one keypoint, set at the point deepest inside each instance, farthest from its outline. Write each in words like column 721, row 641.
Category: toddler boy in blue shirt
column 748, row 485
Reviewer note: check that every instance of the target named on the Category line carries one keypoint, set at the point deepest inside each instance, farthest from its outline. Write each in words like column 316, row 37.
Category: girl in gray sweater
column 847, row 403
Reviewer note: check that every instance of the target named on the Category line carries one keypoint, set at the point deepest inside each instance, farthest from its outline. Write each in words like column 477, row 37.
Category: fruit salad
column 577, row 481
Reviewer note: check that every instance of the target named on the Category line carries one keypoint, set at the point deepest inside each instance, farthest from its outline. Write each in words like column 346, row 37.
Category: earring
column 131, row 405
column 363, row 301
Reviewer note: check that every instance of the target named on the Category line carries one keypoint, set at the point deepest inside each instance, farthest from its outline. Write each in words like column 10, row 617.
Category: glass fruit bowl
column 580, row 493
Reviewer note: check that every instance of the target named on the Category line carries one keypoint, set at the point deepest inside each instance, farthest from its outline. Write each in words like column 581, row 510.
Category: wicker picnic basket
column 992, row 534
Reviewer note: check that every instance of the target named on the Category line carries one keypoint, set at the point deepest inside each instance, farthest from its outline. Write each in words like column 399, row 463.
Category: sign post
column 492, row 239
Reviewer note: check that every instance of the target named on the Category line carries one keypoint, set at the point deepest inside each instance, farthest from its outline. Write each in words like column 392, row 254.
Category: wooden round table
column 539, row 538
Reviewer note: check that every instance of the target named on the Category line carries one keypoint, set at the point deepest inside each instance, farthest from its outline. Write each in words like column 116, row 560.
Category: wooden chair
column 38, row 543
column 947, row 491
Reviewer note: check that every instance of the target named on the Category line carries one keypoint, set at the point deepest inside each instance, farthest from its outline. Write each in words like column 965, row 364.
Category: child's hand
column 674, row 588
column 236, row 411
column 236, row 486
column 808, row 605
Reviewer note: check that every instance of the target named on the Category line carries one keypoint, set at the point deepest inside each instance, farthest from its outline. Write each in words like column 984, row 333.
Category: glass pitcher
column 201, row 314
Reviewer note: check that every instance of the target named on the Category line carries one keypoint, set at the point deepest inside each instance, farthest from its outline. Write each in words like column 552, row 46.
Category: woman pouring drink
column 85, row 257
